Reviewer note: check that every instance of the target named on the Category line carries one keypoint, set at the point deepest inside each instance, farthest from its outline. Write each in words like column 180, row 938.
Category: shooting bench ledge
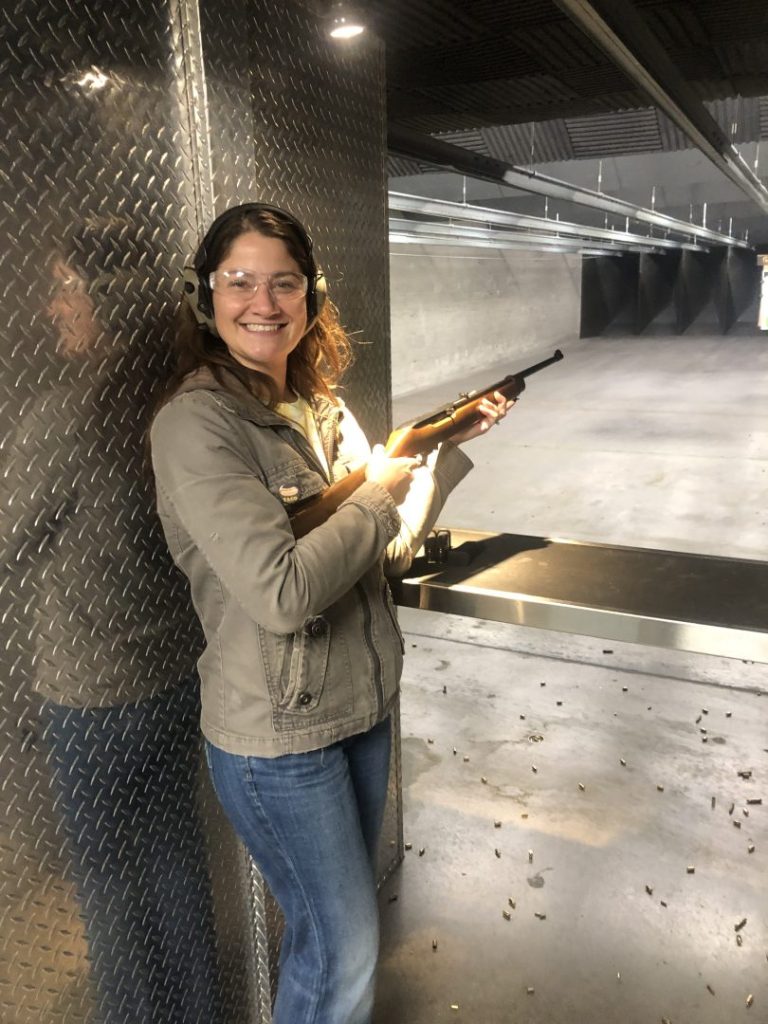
column 668, row 599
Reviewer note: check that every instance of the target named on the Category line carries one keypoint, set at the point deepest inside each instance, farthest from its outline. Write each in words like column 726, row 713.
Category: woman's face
column 260, row 328
column 72, row 311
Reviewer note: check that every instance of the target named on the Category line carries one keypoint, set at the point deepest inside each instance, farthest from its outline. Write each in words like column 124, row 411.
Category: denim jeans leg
column 299, row 817
column 368, row 757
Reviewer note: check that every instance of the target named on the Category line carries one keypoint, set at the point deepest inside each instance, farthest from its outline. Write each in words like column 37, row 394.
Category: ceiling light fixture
column 344, row 21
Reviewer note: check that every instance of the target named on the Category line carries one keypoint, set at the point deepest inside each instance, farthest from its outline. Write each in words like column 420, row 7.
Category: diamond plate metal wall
column 124, row 897
column 109, row 912
column 299, row 122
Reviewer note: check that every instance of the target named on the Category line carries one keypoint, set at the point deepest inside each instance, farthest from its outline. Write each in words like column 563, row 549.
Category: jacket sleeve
column 242, row 530
column 432, row 483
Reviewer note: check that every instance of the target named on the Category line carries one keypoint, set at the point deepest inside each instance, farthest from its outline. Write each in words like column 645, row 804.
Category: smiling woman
column 304, row 654
column 259, row 306
column 246, row 248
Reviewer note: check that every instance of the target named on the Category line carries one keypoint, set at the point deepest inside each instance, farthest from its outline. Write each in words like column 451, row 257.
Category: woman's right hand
column 394, row 475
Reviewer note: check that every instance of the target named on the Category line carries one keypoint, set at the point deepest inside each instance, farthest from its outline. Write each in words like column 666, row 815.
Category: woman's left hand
column 493, row 410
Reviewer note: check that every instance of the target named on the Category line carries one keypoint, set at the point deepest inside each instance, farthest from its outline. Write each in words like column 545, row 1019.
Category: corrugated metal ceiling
column 489, row 69
column 645, row 130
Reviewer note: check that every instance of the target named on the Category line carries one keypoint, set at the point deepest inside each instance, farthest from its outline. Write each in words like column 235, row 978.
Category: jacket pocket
column 297, row 665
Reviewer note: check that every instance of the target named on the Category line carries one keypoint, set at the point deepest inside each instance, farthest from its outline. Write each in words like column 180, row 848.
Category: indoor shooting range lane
column 606, row 803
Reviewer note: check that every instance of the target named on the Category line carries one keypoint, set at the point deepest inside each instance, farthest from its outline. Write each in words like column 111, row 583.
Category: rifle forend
column 419, row 437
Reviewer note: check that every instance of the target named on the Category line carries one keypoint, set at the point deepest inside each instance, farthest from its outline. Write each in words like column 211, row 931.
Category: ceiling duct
column 426, row 149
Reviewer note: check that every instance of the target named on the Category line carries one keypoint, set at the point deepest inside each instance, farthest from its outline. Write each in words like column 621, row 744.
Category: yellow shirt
column 300, row 414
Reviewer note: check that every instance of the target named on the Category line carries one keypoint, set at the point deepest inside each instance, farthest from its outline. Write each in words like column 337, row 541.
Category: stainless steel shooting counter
column 666, row 599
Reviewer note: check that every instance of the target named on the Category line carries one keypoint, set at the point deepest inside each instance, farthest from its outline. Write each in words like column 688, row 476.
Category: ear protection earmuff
column 197, row 289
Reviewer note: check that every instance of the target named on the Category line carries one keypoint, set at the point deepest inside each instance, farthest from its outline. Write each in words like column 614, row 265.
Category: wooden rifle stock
column 419, row 437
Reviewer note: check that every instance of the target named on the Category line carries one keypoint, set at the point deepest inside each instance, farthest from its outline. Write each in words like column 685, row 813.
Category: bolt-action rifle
column 419, row 437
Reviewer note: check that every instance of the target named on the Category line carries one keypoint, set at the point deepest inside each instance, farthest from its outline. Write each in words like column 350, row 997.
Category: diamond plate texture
column 109, row 910
column 124, row 896
column 300, row 123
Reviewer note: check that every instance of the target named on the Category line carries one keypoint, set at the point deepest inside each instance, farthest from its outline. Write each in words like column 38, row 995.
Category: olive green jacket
column 302, row 642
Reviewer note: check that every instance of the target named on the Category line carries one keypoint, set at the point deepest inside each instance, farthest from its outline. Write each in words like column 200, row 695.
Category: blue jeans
column 125, row 779
column 311, row 822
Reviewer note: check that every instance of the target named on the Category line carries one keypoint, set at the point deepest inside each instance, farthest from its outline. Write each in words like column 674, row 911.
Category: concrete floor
column 508, row 699
column 642, row 441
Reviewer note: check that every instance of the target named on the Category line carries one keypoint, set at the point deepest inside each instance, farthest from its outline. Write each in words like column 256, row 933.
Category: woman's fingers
column 495, row 409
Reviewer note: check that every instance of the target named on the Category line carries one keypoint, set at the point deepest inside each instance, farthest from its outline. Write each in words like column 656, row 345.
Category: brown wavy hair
column 314, row 366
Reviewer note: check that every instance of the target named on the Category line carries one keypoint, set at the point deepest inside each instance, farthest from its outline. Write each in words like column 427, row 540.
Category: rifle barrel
column 316, row 510
column 540, row 366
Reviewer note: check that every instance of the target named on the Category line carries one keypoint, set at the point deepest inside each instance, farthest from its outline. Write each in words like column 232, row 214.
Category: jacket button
column 317, row 626
column 304, row 698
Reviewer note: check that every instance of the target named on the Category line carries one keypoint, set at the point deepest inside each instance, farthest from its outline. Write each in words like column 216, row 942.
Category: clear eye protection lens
column 244, row 283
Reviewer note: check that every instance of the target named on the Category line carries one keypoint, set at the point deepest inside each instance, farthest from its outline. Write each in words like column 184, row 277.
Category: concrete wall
column 455, row 311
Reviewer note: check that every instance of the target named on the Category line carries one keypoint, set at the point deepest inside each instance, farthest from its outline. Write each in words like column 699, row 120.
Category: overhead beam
column 620, row 30
column 435, row 231
column 451, row 241
column 464, row 213
column 486, row 168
